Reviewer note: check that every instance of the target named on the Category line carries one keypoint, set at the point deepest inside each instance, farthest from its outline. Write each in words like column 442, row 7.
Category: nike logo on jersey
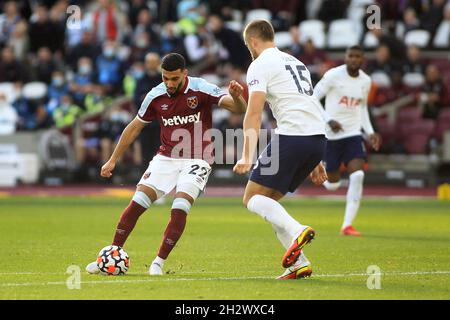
column 350, row 102
column 177, row 120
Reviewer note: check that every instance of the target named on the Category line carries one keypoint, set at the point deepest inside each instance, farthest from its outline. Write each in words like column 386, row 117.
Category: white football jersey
column 345, row 102
column 287, row 83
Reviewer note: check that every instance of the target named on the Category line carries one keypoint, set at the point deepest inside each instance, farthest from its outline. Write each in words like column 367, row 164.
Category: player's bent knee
column 152, row 192
column 182, row 204
column 190, row 189
column 142, row 199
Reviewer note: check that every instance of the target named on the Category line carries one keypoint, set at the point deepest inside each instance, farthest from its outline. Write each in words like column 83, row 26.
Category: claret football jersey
column 185, row 118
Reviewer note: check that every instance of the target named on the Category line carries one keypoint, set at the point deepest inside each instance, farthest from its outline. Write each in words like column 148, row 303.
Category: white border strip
column 163, row 279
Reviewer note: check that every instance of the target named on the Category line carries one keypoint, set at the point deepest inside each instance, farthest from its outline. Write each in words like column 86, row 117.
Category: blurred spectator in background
column 136, row 6
column 149, row 137
column 111, row 127
column 97, row 100
column 66, row 113
column 83, row 80
column 109, row 68
column 145, row 24
column 108, row 23
column 11, row 69
column 414, row 62
column 296, row 47
column 86, row 48
column 43, row 32
column 396, row 46
column 57, row 88
column 433, row 16
column 383, row 62
column 201, row 53
column 289, row 12
column 433, row 93
column 13, row 29
column 171, row 41
column 313, row 59
column 26, row 112
column 332, row 10
column 414, row 67
column 44, row 66
column 134, row 74
column 410, row 20
column 237, row 53
column 142, row 45
column 8, row 116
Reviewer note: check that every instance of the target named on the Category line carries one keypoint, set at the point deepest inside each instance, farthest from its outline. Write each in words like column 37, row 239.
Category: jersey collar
column 184, row 89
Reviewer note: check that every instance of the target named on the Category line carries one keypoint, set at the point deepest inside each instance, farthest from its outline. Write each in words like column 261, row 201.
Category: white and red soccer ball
column 113, row 260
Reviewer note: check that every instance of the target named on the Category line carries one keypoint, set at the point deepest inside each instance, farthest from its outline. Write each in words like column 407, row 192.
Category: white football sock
column 159, row 261
column 332, row 186
column 283, row 236
column 354, row 194
column 273, row 212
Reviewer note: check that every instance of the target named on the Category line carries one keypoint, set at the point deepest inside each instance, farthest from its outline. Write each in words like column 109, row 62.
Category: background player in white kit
column 346, row 89
column 298, row 145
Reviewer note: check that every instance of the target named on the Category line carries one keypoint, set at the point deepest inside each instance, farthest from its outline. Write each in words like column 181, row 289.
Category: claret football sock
column 354, row 194
column 173, row 232
column 127, row 222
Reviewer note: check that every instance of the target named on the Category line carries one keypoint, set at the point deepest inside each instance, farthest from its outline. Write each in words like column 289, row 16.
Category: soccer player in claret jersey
column 346, row 89
column 182, row 105
column 298, row 145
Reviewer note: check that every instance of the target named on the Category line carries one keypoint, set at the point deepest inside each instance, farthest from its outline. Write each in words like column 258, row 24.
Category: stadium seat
column 406, row 118
column 443, row 123
column 419, row 38
column 258, row 14
column 34, row 90
column 283, row 39
column 409, row 114
column 381, row 79
column 314, row 30
column 413, row 80
column 385, row 129
column 416, row 143
column 418, row 135
column 370, row 41
column 9, row 90
column 343, row 33
column 212, row 78
column 442, row 37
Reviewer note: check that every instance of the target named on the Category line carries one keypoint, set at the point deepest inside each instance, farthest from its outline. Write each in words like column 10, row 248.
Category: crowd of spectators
column 87, row 58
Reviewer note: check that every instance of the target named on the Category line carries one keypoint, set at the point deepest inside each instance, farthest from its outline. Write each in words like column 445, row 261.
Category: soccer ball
column 113, row 260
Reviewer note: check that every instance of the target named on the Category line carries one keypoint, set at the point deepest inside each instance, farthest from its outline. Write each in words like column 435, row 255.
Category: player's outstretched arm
column 252, row 123
column 234, row 102
column 128, row 136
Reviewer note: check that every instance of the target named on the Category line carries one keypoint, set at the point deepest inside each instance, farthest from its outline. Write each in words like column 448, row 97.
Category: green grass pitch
column 226, row 252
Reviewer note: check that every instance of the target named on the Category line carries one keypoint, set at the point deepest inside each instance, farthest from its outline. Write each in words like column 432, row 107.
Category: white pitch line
column 26, row 284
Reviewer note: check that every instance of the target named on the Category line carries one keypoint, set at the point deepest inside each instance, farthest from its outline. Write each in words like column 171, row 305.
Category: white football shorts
column 187, row 175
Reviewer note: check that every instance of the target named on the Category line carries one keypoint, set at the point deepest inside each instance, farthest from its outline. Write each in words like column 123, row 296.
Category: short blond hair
column 261, row 29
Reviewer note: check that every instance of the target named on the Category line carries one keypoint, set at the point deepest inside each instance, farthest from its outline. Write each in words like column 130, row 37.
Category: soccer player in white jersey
column 182, row 106
column 297, row 146
column 346, row 89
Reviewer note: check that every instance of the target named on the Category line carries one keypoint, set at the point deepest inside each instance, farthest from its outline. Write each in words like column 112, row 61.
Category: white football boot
column 155, row 269
column 300, row 269
column 92, row 268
